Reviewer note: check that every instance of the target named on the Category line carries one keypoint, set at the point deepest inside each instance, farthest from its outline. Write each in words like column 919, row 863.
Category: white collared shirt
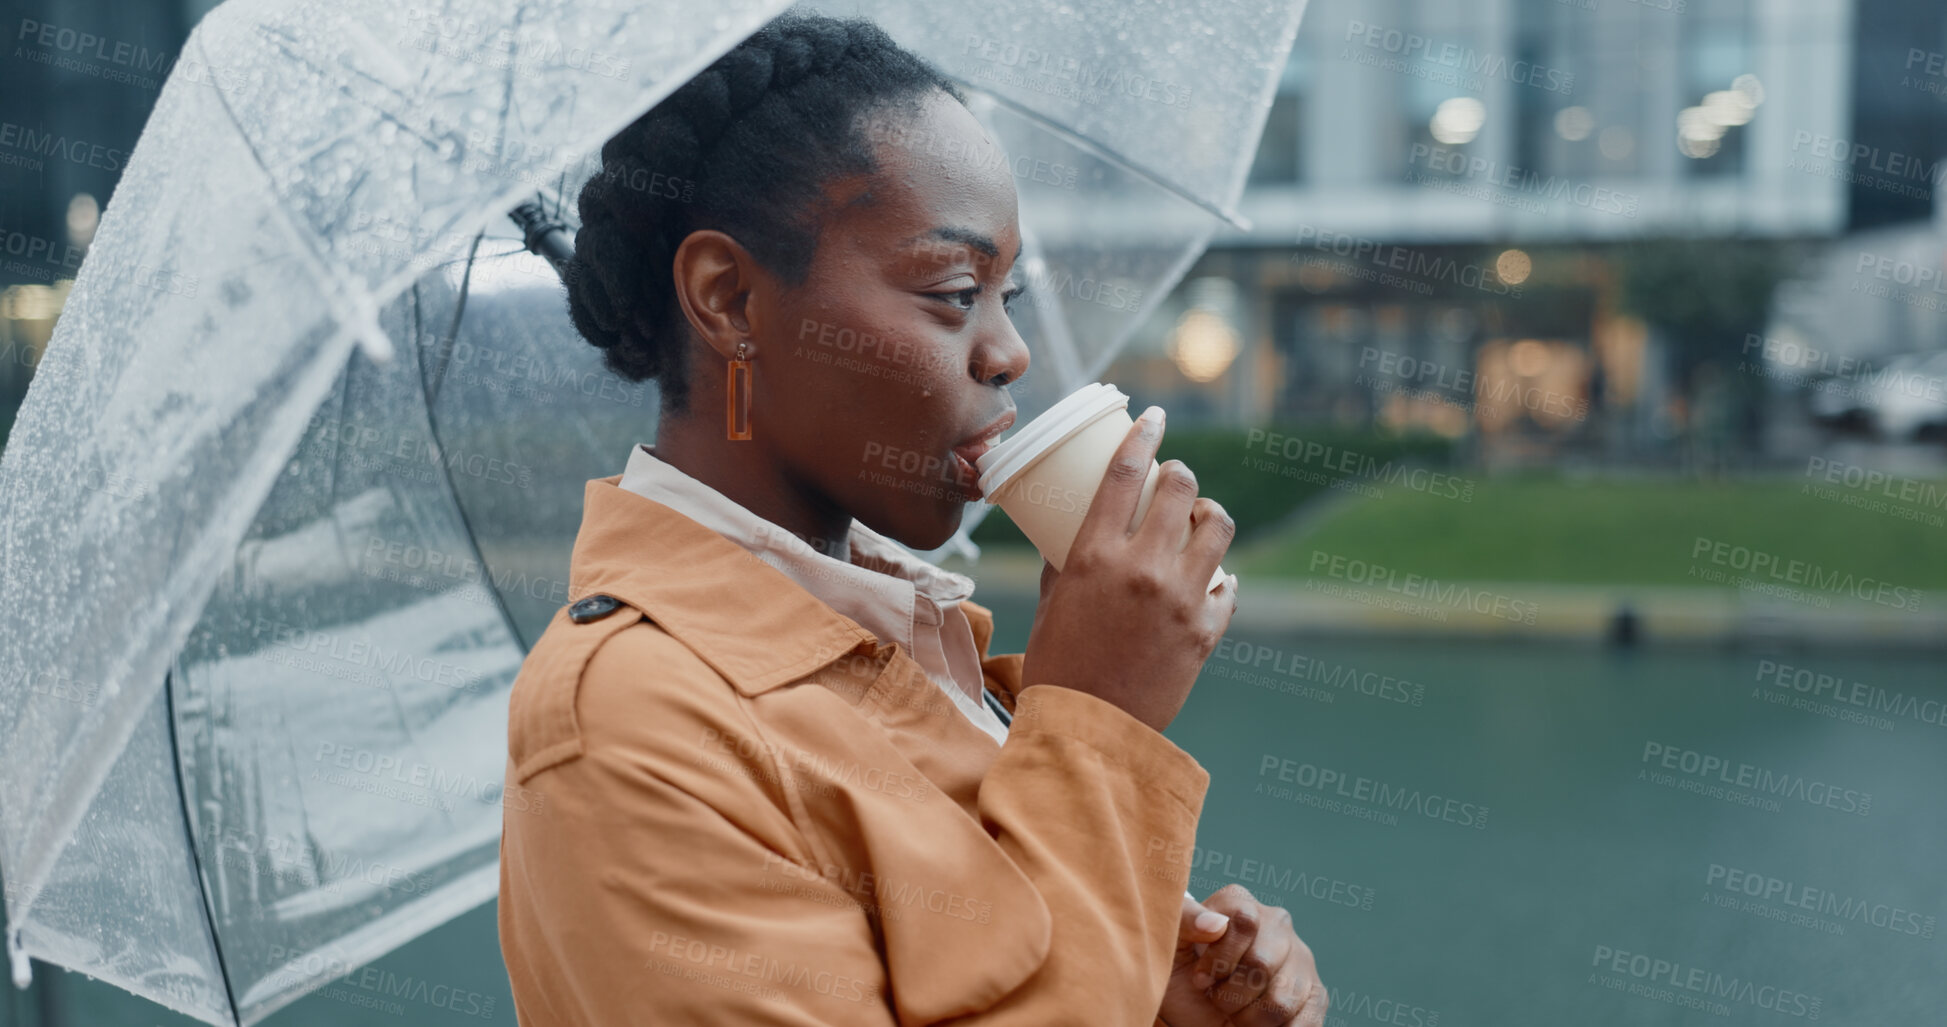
column 887, row 590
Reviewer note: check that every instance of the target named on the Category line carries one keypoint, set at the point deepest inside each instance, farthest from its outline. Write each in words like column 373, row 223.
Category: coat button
column 594, row 607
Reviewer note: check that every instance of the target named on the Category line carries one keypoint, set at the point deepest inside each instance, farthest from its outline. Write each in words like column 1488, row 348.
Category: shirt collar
column 878, row 565
column 747, row 620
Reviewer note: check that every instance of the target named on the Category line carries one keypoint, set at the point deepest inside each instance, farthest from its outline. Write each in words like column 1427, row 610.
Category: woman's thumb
column 1200, row 923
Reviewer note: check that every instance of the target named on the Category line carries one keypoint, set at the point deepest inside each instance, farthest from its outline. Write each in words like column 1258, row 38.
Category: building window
column 1281, row 151
column 1718, row 93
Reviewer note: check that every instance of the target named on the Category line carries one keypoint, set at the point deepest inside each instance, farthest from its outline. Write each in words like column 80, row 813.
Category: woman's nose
column 1002, row 360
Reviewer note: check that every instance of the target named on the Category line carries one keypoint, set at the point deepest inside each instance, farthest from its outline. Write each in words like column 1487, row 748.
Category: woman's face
column 893, row 351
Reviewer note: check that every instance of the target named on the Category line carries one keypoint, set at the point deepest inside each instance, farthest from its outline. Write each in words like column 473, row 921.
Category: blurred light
column 1727, row 107
column 1318, row 276
column 1748, row 86
column 1513, row 266
column 1697, row 135
column 1699, row 148
column 30, row 302
column 27, row 317
column 1203, row 344
column 1458, row 120
column 1616, row 142
column 1528, row 358
column 1401, row 411
column 1696, row 123
column 83, row 215
column 1574, row 123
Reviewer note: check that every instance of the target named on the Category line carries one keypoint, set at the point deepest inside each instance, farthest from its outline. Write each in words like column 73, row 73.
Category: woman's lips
column 966, row 470
column 967, row 454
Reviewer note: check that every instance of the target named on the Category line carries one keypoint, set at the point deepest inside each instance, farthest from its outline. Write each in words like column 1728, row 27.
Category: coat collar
column 749, row 621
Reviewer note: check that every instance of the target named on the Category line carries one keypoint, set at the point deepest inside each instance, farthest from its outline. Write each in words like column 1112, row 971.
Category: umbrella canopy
column 296, row 480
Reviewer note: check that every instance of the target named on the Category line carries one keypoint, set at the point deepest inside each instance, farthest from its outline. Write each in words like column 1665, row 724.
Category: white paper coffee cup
column 1046, row 473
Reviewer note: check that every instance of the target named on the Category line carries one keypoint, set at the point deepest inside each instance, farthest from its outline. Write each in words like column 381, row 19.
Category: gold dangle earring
column 738, row 411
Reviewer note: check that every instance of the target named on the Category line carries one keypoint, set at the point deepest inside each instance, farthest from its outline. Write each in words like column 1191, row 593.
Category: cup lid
column 1056, row 424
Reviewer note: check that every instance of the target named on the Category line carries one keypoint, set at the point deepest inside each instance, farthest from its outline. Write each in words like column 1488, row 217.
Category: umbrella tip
column 23, row 968
column 378, row 348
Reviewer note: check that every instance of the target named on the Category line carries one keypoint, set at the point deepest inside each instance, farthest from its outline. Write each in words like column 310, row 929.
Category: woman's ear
column 714, row 276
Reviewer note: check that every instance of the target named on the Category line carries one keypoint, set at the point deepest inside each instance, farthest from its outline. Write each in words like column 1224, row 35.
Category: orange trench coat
column 729, row 804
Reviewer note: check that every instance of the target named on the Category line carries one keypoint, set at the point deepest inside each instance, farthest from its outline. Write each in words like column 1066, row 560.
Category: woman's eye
column 963, row 299
column 960, row 298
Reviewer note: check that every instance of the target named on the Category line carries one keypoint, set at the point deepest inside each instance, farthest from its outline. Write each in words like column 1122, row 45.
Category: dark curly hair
column 744, row 148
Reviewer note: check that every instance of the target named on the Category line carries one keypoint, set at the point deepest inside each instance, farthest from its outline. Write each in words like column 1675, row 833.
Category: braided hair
column 745, row 148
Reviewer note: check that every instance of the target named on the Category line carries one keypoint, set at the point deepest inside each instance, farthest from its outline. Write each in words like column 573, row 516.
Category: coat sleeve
column 638, row 903
column 661, row 888
column 1098, row 809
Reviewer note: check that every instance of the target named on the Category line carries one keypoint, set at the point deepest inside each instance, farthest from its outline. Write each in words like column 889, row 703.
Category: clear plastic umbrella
column 296, row 481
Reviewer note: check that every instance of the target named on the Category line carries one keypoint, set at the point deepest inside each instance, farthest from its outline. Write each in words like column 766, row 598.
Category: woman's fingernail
column 1208, row 921
column 1152, row 421
column 1202, row 979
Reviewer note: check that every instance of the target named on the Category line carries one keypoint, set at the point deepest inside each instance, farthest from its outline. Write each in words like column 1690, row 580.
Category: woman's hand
column 1128, row 619
column 1252, row 970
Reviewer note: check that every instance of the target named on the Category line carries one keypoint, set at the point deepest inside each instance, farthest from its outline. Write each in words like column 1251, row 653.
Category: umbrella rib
column 1101, row 149
column 446, row 468
column 189, row 835
column 445, row 354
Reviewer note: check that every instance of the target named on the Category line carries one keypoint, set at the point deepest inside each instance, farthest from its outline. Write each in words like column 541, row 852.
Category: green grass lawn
column 1618, row 532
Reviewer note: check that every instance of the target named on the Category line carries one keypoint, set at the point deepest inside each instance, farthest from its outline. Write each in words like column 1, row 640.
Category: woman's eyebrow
column 967, row 237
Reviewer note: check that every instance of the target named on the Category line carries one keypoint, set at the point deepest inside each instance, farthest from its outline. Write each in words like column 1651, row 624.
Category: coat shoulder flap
column 543, row 728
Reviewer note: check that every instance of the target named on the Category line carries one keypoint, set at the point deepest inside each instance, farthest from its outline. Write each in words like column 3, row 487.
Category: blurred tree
column 1705, row 296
